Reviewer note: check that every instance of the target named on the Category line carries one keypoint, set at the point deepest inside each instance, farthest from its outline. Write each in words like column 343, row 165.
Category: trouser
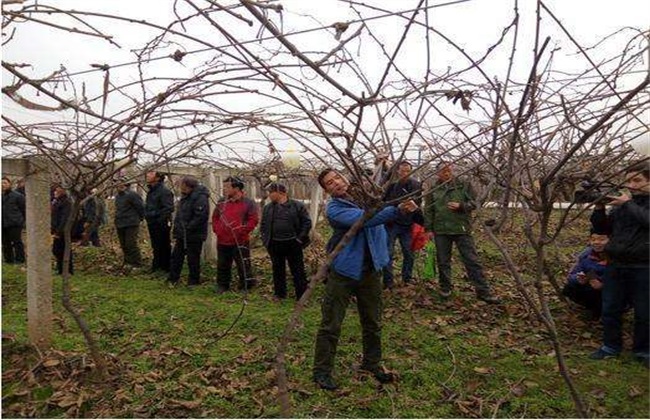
column 193, row 251
column 467, row 249
column 93, row 237
column 338, row 291
column 403, row 233
column 159, row 233
column 282, row 252
column 241, row 255
column 625, row 284
column 13, row 250
column 58, row 249
column 128, row 237
column 585, row 295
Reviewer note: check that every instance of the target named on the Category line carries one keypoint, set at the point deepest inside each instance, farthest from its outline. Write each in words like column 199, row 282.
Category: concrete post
column 314, row 204
column 39, row 259
column 210, row 245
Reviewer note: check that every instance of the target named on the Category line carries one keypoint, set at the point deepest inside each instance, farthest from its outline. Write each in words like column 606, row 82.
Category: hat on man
column 276, row 187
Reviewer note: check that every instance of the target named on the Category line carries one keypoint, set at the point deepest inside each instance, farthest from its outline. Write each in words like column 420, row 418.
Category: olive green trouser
column 335, row 302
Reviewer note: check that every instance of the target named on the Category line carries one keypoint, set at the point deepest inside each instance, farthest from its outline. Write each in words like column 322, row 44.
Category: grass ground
column 169, row 357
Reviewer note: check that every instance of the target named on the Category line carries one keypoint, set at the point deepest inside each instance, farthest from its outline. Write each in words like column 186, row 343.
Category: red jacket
column 233, row 221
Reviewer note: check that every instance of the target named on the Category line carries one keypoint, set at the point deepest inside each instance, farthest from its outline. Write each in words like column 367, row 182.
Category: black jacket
column 627, row 226
column 129, row 209
column 302, row 222
column 191, row 221
column 13, row 209
column 411, row 188
column 159, row 205
column 61, row 208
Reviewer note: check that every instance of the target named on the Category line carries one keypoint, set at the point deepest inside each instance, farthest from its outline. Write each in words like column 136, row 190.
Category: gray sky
column 473, row 25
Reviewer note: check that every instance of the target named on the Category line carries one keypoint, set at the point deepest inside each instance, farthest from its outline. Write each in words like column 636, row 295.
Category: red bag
column 419, row 237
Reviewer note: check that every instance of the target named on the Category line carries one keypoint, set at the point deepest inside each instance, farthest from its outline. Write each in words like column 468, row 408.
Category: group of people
column 178, row 231
column 362, row 263
column 611, row 274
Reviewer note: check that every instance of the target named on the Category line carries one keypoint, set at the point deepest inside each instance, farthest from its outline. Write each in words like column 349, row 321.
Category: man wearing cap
column 285, row 230
column 234, row 218
column 129, row 212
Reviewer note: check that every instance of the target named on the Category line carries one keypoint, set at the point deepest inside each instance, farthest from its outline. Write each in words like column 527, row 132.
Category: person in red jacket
column 233, row 219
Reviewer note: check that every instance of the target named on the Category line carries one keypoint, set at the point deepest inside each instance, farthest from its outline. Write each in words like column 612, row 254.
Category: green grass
column 459, row 358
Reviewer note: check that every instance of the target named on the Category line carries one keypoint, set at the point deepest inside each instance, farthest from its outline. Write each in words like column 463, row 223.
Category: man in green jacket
column 449, row 204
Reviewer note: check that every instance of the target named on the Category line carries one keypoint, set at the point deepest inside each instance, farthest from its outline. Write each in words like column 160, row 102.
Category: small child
column 585, row 282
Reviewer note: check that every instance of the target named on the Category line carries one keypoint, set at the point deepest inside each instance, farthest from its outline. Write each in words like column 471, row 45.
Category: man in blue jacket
column 355, row 271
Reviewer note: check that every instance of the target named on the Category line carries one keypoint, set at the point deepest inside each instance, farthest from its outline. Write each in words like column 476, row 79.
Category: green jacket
column 439, row 218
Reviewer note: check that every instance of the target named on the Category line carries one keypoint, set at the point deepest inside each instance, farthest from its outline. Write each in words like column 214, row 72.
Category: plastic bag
column 429, row 271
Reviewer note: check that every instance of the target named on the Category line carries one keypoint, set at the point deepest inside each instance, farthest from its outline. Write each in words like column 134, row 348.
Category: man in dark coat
column 129, row 212
column 285, row 230
column 400, row 228
column 13, row 222
column 158, row 212
column 628, row 271
column 60, row 212
column 190, row 230
column 92, row 208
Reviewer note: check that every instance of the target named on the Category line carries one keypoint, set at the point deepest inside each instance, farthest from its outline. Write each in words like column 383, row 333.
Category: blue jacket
column 587, row 261
column 342, row 214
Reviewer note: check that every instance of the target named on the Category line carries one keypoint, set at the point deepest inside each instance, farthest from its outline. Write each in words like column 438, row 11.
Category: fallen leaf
column 602, row 373
column 51, row 362
column 190, row 405
column 518, row 390
column 472, row 386
column 67, row 402
column 483, row 370
column 249, row 339
column 634, row 392
column 598, row 393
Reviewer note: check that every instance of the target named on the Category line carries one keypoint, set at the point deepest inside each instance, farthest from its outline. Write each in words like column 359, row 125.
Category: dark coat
column 61, row 208
column 159, row 204
column 628, row 228
column 191, row 221
column 300, row 216
column 129, row 209
column 13, row 209
column 411, row 188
